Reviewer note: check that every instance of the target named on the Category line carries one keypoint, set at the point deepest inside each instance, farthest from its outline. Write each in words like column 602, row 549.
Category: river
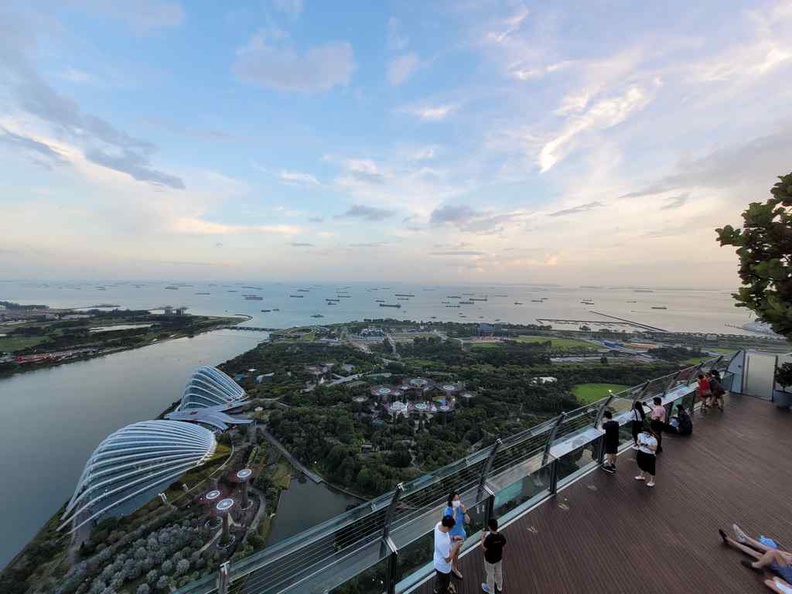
column 52, row 419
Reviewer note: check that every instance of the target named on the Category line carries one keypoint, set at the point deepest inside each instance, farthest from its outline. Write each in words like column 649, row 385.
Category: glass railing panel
column 370, row 581
column 576, row 461
column 526, row 488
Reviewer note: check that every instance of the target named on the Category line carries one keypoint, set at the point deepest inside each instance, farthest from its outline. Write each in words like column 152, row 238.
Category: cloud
column 36, row 149
column 675, row 202
column 577, row 209
column 198, row 226
column 368, row 244
column 141, row 15
column 103, row 143
column 367, row 213
column 521, row 72
column 301, row 244
column 603, row 114
column 76, row 76
column 365, row 171
column 270, row 60
column 397, row 41
column 295, row 178
column 431, row 113
column 455, row 214
column 171, row 126
column 457, row 253
column 134, row 165
column 290, row 7
column 316, row 220
column 401, row 68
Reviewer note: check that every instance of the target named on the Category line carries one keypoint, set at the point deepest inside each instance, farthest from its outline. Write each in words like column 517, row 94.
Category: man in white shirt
column 444, row 553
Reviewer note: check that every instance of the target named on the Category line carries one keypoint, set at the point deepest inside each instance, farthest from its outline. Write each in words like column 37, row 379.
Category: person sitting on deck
column 682, row 424
column 762, row 554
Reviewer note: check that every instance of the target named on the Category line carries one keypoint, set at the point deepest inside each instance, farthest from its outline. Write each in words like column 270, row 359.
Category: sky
column 431, row 141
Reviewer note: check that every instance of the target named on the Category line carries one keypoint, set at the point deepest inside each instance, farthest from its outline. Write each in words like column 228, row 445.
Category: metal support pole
column 551, row 437
column 602, row 409
column 223, row 578
column 390, row 578
column 388, row 518
column 600, row 449
column 695, row 373
column 641, row 393
column 671, row 383
column 486, row 469
column 554, row 477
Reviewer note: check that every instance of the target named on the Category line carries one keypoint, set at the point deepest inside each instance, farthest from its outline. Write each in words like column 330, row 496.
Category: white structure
column 136, row 460
column 209, row 387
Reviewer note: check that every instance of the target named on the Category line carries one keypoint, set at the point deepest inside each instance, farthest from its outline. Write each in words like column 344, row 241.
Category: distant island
column 36, row 336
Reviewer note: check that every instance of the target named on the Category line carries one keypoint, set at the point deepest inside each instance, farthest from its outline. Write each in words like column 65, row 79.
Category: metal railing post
column 387, row 546
column 486, row 469
column 554, row 477
column 640, row 393
column 694, row 376
column 602, row 409
column 551, row 437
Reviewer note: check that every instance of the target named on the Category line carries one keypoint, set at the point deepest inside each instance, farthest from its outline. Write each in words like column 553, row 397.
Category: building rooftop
column 609, row 533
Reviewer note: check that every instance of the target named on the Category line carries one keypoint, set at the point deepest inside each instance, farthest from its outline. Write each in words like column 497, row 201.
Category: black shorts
column 612, row 448
column 442, row 582
column 646, row 462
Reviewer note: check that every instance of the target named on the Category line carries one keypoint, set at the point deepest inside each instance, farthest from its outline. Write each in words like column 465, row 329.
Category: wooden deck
column 612, row 534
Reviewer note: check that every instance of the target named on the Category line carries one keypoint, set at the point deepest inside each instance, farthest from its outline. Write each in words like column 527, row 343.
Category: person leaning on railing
column 445, row 553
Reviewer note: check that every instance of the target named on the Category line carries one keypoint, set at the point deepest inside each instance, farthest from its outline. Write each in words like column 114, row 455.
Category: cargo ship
column 390, row 305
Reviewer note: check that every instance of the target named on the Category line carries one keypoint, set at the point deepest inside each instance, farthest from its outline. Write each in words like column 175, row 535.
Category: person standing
column 610, row 442
column 457, row 511
column 646, row 457
column 445, row 553
column 703, row 390
column 716, row 390
column 638, row 417
column 658, row 421
column 493, row 542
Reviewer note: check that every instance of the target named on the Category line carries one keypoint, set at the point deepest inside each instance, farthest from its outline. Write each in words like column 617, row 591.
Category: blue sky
column 433, row 141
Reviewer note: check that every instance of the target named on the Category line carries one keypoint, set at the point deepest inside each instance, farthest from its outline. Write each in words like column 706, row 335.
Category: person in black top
column 610, row 442
column 493, row 542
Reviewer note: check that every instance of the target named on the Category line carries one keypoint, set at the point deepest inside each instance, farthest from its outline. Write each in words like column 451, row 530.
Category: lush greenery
column 783, row 375
column 764, row 246
column 587, row 393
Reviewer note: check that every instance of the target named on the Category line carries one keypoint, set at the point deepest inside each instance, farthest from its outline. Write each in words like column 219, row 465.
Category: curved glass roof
column 134, row 460
column 209, row 387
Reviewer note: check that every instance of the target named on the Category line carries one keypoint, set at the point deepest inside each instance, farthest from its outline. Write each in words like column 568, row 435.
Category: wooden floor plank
column 612, row 534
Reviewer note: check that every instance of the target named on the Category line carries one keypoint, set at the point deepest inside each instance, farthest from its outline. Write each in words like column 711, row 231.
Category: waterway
column 52, row 419
column 305, row 504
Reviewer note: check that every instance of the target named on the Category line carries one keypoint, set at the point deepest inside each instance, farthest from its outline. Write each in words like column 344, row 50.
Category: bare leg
column 773, row 585
column 753, row 553
column 770, row 557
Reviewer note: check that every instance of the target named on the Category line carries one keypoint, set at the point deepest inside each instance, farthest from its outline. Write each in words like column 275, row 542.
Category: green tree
column 764, row 246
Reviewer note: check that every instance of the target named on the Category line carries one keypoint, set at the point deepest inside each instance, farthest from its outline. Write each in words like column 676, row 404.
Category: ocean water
column 687, row 310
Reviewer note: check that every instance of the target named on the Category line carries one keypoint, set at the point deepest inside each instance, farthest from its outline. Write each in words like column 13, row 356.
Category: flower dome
column 131, row 463
column 208, row 387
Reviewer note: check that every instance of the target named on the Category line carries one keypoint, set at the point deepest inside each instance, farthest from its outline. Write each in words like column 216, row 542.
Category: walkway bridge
column 570, row 528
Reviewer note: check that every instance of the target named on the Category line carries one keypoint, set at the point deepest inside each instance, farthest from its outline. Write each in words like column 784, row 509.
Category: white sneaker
column 485, row 587
column 650, row 484
column 739, row 535
column 639, row 478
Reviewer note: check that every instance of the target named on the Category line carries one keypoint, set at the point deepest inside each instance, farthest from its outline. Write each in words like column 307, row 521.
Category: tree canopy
column 764, row 246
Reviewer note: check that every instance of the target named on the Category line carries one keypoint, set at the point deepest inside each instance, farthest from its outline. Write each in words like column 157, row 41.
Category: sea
column 283, row 305
column 52, row 419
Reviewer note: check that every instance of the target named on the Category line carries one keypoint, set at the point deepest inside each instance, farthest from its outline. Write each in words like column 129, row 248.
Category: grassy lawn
column 587, row 393
column 558, row 343
column 9, row 344
column 485, row 345
column 695, row 360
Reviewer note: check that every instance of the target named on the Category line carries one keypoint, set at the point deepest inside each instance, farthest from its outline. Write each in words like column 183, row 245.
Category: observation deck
column 570, row 527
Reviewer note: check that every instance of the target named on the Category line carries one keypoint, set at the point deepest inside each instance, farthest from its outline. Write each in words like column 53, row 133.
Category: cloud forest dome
column 210, row 387
column 133, row 461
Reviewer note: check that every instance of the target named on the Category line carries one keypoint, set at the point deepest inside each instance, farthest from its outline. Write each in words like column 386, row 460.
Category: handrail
column 341, row 548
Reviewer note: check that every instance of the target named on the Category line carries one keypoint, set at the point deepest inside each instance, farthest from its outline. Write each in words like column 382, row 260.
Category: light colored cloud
column 270, row 60
column 76, row 76
column 526, row 72
column 141, row 15
column 401, row 68
column 431, row 113
column 296, row 178
column 198, row 226
column 397, row 40
column 604, row 114
column 576, row 209
column 291, row 7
